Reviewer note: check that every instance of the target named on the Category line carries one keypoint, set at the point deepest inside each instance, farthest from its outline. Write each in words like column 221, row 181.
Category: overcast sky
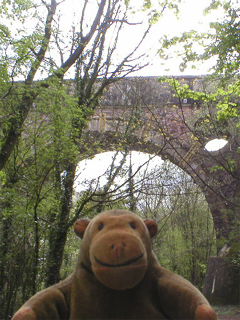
column 190, row 17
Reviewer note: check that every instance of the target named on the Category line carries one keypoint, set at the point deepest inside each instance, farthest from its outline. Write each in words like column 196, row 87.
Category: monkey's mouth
column 119, row 265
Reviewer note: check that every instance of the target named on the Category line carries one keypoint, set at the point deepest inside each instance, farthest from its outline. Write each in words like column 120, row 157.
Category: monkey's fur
column 117, row 277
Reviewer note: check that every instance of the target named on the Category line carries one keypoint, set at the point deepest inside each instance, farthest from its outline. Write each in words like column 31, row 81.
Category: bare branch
column 84, row 40
column 45, row 42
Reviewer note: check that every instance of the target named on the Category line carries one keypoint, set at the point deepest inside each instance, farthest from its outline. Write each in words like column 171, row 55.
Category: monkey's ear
column 80, row 226
column 152, row 227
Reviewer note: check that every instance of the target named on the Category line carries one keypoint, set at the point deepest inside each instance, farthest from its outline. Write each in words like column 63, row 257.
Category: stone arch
column 190, row 162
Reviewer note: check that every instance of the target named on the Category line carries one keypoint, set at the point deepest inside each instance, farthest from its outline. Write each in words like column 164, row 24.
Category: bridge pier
column 221, row 285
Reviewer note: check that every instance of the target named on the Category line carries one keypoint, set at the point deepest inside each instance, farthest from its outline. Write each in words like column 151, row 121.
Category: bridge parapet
column 149, row 104
column 148, row 91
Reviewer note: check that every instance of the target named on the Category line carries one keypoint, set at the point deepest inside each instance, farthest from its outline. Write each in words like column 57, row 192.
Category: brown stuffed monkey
column 117, row 277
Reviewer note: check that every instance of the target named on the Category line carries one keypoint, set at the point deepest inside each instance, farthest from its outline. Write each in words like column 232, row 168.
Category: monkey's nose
column 118, row 248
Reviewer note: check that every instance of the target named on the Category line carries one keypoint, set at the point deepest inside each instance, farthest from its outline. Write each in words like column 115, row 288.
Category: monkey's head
column 116, row 246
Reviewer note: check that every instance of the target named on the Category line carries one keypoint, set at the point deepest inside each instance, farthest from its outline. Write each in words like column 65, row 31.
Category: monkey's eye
column 100, row 226
column 133, row 225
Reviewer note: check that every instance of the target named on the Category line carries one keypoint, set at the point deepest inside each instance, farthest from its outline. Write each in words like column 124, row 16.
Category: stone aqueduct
column 143, row 114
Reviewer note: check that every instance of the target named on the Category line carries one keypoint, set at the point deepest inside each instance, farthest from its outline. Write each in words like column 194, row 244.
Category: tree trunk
column 5, row 231
column 58, row 234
